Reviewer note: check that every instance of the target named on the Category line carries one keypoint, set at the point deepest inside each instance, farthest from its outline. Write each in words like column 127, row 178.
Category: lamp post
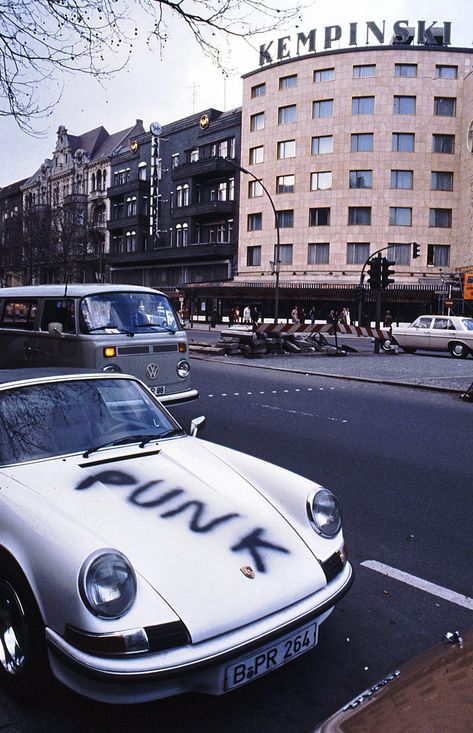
column 276, row 263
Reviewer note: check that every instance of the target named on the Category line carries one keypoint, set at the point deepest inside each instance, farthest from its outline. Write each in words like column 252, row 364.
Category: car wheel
column 458, row 351
column 408, row 349
column 23, row 659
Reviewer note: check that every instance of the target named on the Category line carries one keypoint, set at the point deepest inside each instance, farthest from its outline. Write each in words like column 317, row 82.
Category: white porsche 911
column 139, row 562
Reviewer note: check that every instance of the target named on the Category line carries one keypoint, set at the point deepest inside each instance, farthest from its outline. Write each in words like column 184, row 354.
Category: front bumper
column 193, row 668
column 179, row 397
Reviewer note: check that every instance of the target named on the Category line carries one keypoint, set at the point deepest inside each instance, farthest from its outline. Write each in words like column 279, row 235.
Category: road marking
column 425, row 585
column 305, row 414
column 273, row 391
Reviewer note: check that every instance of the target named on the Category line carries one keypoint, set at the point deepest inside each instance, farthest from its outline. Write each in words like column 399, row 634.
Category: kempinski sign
column 424, row 33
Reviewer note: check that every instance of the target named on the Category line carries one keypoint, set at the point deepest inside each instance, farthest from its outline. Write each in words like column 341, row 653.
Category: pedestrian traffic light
column 387, row 272
column 415, row 250
column 374, row 273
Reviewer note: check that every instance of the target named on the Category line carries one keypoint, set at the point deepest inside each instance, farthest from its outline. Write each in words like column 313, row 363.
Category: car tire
column 408, row 349
column 458, row 350
column 24, row 668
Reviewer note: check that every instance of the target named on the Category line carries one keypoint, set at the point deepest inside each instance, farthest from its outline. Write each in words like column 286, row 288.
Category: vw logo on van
column 152, row 371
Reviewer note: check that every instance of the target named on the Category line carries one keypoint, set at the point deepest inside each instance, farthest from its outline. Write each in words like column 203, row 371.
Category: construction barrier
column 383, row 334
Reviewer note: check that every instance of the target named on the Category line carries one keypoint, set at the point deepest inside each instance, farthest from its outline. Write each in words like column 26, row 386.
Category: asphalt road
column 400, row 461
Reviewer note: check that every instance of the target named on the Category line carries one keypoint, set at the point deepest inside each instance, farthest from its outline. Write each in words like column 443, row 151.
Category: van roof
column 80, row 290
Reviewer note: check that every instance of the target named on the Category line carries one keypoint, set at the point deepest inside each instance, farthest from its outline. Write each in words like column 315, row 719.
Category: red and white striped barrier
column 276, row 328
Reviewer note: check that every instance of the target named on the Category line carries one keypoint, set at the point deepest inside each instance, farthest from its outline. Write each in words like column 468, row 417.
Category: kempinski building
column 360, row 149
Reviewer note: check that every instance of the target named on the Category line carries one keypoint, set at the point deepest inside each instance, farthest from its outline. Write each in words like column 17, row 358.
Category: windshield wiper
column 111, row 325
column 142, row 439
column 169, row 329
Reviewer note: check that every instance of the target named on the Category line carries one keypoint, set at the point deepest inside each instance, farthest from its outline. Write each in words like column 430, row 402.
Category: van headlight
column 324, row 512
column 183, row 369
column 107, row 584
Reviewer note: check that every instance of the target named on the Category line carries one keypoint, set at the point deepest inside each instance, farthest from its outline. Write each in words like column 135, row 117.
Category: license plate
column 270, row 657
column 158, row 390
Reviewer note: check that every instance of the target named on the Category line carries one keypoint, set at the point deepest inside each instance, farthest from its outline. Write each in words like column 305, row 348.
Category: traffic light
column 374, row 273
column 387, row 272
column 415, row 250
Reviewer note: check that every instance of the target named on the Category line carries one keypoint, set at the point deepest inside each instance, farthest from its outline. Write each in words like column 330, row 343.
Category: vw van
column 110, row 328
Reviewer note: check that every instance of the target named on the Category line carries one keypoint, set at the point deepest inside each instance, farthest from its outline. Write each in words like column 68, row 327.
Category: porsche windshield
column 56, row 418
column 127, row 312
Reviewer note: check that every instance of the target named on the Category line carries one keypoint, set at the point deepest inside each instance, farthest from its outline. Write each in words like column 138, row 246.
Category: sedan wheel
column 23, row 660
column 458, row 351
column 408, row 349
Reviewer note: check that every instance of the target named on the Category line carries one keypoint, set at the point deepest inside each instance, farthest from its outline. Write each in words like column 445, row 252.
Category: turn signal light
column 182, row 347
column 110, row 351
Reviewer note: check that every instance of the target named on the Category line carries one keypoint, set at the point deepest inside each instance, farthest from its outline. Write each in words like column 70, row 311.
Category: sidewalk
column 428, row 371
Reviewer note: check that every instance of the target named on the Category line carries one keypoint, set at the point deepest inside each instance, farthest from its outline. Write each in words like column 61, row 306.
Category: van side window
column 59, row 311
column 19, row 314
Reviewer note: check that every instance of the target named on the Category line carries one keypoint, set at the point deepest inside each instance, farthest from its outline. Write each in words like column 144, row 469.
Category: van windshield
column 127, row 312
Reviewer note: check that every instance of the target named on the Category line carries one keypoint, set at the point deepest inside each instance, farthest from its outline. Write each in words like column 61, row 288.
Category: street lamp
column 275, row 265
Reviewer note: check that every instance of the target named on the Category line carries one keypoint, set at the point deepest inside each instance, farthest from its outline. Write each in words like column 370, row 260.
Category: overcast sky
column 184, row 81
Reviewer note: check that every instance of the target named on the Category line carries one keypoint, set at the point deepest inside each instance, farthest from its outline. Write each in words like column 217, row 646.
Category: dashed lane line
column 420, row 583
column 305, row 414
column 262, row 392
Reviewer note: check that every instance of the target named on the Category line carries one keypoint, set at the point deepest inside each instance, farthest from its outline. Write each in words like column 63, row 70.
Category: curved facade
column 359, row 150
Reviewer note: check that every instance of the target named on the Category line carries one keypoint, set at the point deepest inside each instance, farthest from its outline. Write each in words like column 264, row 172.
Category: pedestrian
column 302, row 315
column 295, row 315
column 312, row 315
column 247, row 314
column 255, row 316
column 331, row 317
column 343, row 316
column 388, row 319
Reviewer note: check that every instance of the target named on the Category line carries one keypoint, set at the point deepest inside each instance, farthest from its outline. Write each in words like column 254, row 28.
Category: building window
column 131, row 206
column 285, row 184
column 362, row 142
column 322, row 108
column 405, row 69
column 259, row 90
column 361, row 179
column 175, row 161
column 440, row 218
column 438, row 255
column 443, row 143
column 362, row 105
column 441, row 181
column 130, row 241
column 324, row 74
column 400, row 216
column 257, row 155
column 257, row 122
column 319, row 217
column 445, row 106
column 361, row 71
column 359, row 215
column 399, row 253
column 403, row 142
column 255, row 222
column 446, row 72
column 142, row 171
column 287, row 114
column 404, row 105
column 255, row 189
column 318, row 253
column 194, row 155
column 285, row 254
column 288, row 82
column 322, row 144
column 357, row 252
column 253, row 256
column 286, row 149
column 402, row 179
column 321, row 181
column 285, row 218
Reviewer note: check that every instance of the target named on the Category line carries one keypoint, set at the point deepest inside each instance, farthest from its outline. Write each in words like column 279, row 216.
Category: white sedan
column 139, row 562
column 437, row 333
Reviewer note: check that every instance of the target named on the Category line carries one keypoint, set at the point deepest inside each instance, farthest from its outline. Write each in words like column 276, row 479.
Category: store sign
column 468, row 285
column 402, row 33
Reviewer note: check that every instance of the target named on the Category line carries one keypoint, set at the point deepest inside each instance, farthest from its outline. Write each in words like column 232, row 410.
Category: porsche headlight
column 107, row 584
column 324, row 512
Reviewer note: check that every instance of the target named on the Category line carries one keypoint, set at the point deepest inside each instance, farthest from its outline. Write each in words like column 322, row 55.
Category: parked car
column 436, row 333
column 139, row 562
column 431, row 692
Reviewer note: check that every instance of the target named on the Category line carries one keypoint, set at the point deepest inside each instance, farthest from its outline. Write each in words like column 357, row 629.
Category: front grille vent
column 167, row 636
column 333, row 566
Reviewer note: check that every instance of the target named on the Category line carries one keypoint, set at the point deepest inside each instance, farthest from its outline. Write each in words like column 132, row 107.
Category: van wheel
column 23, row 659
column 458, row 351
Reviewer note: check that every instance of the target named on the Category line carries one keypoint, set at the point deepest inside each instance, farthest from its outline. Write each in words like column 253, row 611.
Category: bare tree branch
column 41, row 39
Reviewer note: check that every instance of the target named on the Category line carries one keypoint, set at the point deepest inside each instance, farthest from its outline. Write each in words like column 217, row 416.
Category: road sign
column 448, row 303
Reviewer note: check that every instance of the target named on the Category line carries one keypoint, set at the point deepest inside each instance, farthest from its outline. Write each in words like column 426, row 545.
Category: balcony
column 128, row 222
column 137, row 185
column 193, row 252
column 204, row 168
column 97, row 195
column 205, row 208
